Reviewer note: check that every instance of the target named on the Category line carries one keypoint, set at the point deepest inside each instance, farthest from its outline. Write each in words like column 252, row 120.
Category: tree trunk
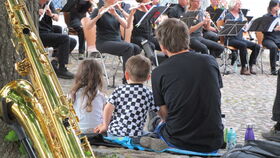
column 8, row 57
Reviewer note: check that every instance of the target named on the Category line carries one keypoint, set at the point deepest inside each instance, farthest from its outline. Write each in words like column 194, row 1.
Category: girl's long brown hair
column 89, row 77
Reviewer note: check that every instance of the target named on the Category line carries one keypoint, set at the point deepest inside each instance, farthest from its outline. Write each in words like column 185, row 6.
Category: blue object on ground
column 127, row 143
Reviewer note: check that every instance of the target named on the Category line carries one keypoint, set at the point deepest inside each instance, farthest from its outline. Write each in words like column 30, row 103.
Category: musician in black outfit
column 144, row 31
column 178, row 9
column 51, row 36
column 108, row 37
column 271, row 40
column 76, row 14
column 234, row 14
column 212, row 10
column 197, row 41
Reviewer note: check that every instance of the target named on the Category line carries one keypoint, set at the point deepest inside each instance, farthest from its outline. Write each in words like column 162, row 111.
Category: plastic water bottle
column 249, row 134
column 231, row 139
column 235, row 67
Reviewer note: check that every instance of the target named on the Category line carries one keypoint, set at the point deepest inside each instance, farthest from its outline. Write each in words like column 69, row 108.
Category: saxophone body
column 40, row 107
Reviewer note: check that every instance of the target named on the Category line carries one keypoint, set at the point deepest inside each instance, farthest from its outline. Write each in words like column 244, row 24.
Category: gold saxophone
column 40, row 108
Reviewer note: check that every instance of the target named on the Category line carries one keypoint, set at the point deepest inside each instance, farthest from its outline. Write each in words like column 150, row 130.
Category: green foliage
column 22, row 149
column 11, row 136
column 111, row 156
column 88, row 153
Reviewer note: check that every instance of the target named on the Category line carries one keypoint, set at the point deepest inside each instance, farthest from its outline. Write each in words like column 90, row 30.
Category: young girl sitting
column 87, row 94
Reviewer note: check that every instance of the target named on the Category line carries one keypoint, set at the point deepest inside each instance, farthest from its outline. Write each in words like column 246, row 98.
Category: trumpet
column 110, row 7
column 45, row 9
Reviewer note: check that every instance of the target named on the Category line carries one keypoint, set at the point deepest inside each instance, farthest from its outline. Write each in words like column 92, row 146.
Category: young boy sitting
column 126, row 110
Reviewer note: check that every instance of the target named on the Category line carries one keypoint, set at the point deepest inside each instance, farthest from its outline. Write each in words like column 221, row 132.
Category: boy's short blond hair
column 138, row 67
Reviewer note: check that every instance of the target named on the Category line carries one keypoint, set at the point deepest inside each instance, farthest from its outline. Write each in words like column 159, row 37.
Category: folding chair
column 111, row 62
column 259, row 36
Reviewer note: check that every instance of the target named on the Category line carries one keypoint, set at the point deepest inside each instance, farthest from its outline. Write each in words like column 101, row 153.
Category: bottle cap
column 250, row 126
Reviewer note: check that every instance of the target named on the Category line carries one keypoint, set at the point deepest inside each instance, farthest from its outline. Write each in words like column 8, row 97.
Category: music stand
column 69, row 5
column 189, row 17
column 153, row 14
column 263, row 24
column 231, row 28
column 244, row 11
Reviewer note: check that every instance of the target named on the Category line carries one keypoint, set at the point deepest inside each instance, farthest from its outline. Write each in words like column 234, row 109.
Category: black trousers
column 81, row 38
column 76, row 24
column 276, row 105
column 273, row 48
column 242, row 45
column 152, row 41
column 200, row 44
column 62, row 42
column 119, row 48
column 211, row 35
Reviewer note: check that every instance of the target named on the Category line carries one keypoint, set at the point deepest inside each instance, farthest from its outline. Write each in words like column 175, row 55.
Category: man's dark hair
column 173, row 34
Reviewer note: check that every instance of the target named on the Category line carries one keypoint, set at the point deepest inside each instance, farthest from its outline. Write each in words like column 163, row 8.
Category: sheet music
column 164, row 2
column 273, row 24
column 150, row 10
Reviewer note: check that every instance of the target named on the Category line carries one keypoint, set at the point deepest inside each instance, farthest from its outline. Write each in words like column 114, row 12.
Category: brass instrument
column 41, row 109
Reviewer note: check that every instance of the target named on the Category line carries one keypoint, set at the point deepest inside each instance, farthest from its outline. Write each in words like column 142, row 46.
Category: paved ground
column 245, row 99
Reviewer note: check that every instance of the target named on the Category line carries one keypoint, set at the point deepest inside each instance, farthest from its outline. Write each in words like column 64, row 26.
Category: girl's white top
column 89, row 120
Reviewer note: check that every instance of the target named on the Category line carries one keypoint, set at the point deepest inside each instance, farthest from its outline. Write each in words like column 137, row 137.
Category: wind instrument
column 206, row 14
column 40, row 107
column 110, row 7
column 139, row 4
column 45, row 9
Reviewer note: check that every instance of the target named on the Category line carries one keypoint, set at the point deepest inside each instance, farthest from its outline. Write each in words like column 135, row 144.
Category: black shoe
column 54, row 65
column 54, row 54
column 64, row 73
column 95, row 54
column 81, row 56
column 273, row 72
column 272, row 135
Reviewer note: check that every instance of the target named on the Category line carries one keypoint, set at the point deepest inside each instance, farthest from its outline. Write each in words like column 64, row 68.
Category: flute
column 131, row 8
column 45, row 9
column 111, row 6
column 211, row 21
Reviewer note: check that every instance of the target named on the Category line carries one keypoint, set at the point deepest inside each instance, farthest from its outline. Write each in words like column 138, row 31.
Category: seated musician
column 108, row 37
column 51, row 36
column 272, row 39
column 239, row 42
column 212, row 9
column 197, row 42
column 178, row 9
column 76, row 14
column 145, row 31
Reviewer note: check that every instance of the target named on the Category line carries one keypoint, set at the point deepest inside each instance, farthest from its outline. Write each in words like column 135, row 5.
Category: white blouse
column 89, row 120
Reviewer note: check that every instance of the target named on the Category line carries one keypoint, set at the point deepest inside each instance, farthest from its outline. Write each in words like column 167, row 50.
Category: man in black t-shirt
column 186, row 86
column 178, row 9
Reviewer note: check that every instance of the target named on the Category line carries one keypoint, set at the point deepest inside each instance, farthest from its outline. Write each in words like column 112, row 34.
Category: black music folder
column 69, row 5
column 232, row 28
column 263, row 24
column 216, row 14
column 189, row 17
column 244, row 12
column 153, row 14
